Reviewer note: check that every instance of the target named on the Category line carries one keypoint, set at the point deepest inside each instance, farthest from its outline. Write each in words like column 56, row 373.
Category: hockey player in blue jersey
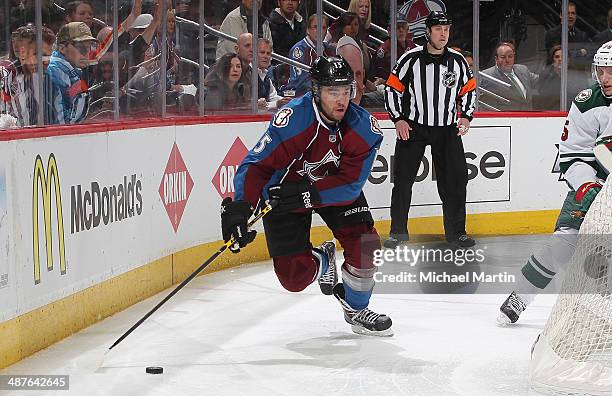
column 316, row 156
column 305, row 51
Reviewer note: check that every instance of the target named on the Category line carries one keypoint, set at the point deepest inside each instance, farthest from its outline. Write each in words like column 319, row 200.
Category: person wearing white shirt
column 269, row 99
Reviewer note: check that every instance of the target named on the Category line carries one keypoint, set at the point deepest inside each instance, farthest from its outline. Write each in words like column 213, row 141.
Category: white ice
column 238, row 332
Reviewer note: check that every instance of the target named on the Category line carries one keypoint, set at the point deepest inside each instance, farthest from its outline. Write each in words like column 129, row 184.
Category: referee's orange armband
column 468, row 87
column 395, row 83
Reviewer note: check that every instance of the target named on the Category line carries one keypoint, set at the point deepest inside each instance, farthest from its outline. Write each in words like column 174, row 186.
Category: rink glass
column 169, row 82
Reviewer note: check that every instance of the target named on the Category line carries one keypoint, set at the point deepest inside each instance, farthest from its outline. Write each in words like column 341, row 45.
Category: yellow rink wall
column 31, row 332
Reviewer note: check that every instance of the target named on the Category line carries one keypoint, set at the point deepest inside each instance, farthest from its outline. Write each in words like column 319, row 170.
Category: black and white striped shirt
column 425, row 89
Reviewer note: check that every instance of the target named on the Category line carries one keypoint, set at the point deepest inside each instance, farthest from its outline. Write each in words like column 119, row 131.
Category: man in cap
column 382, row 60
column 68, row 94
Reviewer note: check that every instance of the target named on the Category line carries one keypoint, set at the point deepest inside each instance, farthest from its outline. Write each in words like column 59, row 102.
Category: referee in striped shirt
column 421, row 95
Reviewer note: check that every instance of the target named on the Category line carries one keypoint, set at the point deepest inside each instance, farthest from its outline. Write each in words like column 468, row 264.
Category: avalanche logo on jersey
column 297, row 53
column 281, row 119
column 449, row 79
column 310, row 168
column 374, row 125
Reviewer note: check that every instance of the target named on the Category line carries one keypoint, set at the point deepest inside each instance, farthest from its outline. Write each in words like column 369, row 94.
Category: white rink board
column 520, row 153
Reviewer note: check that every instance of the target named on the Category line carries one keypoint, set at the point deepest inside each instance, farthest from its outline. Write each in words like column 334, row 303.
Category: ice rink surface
column 237, row 332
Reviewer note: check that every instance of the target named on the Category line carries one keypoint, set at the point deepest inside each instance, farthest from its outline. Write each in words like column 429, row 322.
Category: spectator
column 347, row 24
column 305, row 51
column 579, row 56
column 240, row 21
column 68, row 96
column 577, row 38
column 363, row 10
column 375, row 95
column 139, row 25
column 287, row 26
column 269, row 99
column 345, row 36
column 20, row 82
column 80, row 11
column 522, row 81
column 22, row 12
column 549, row 83
column 171, row 28
column 172, row 57
column 382, row 61
column 186, row 33
column 105, row 35
column 146, row 82
column 104, row 71
column 244, row 48
column 142, row 32
column 605, row 35
column 469, row 58
column 227, row 85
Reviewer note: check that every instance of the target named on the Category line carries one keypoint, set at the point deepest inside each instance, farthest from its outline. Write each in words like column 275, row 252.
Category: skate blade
column 364, row 331
column 502, row 320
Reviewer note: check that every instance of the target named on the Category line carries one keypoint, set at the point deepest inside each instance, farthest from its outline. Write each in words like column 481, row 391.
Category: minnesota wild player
column 588, row 125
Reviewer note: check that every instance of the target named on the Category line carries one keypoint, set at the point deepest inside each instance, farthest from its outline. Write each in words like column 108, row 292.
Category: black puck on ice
column 155, row 370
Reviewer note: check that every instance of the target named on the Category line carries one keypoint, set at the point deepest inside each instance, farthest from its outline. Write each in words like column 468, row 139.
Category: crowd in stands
column 78, row 74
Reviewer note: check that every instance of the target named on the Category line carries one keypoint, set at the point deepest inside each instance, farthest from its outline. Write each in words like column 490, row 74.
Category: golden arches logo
column 45, row 185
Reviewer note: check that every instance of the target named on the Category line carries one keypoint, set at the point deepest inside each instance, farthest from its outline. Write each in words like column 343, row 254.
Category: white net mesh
column 573, row 355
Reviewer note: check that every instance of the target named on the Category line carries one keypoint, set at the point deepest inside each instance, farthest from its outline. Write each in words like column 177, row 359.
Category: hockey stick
column 270, row 205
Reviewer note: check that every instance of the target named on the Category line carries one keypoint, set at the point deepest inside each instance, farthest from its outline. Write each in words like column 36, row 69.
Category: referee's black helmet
column 437, row 18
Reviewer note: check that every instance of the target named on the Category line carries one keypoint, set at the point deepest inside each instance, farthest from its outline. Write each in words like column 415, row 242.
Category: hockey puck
column 155, row 370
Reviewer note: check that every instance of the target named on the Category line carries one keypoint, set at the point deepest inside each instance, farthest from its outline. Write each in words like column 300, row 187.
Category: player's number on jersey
column 261, row 145
column 565, row 133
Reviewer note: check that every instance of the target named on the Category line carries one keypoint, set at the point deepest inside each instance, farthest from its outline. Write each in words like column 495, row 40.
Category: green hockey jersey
column 589, row 118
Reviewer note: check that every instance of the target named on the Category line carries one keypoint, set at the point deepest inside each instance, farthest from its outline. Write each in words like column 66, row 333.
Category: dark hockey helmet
column 331, row 71
column 437, row 18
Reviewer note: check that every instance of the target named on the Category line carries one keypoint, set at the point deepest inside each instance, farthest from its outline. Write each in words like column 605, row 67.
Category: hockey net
column 573, row 355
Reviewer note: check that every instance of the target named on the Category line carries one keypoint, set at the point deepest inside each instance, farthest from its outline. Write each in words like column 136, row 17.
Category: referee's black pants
column 451, row 176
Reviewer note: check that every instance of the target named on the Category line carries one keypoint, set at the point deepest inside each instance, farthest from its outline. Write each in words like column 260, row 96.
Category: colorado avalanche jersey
column 298, row 144
column 589, row 117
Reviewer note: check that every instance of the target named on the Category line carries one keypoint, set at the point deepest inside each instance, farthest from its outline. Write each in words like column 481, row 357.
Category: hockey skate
column 329, row 278
column 511, row 309
column 364, row 321
column 394, row 240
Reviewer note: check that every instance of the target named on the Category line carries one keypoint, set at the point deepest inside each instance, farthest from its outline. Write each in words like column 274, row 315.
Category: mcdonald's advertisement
column 86, row 214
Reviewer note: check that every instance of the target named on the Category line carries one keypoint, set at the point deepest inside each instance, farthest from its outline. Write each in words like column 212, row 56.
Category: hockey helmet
column 437, row 18
column 331, row 71
column 603, row 57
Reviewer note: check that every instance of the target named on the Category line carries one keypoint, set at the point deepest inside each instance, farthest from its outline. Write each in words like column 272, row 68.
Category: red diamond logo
column 175, row 187
column 224, row 178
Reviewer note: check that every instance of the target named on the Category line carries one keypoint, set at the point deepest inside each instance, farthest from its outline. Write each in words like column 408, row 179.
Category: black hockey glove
column 234, row 219
column 294, row 195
